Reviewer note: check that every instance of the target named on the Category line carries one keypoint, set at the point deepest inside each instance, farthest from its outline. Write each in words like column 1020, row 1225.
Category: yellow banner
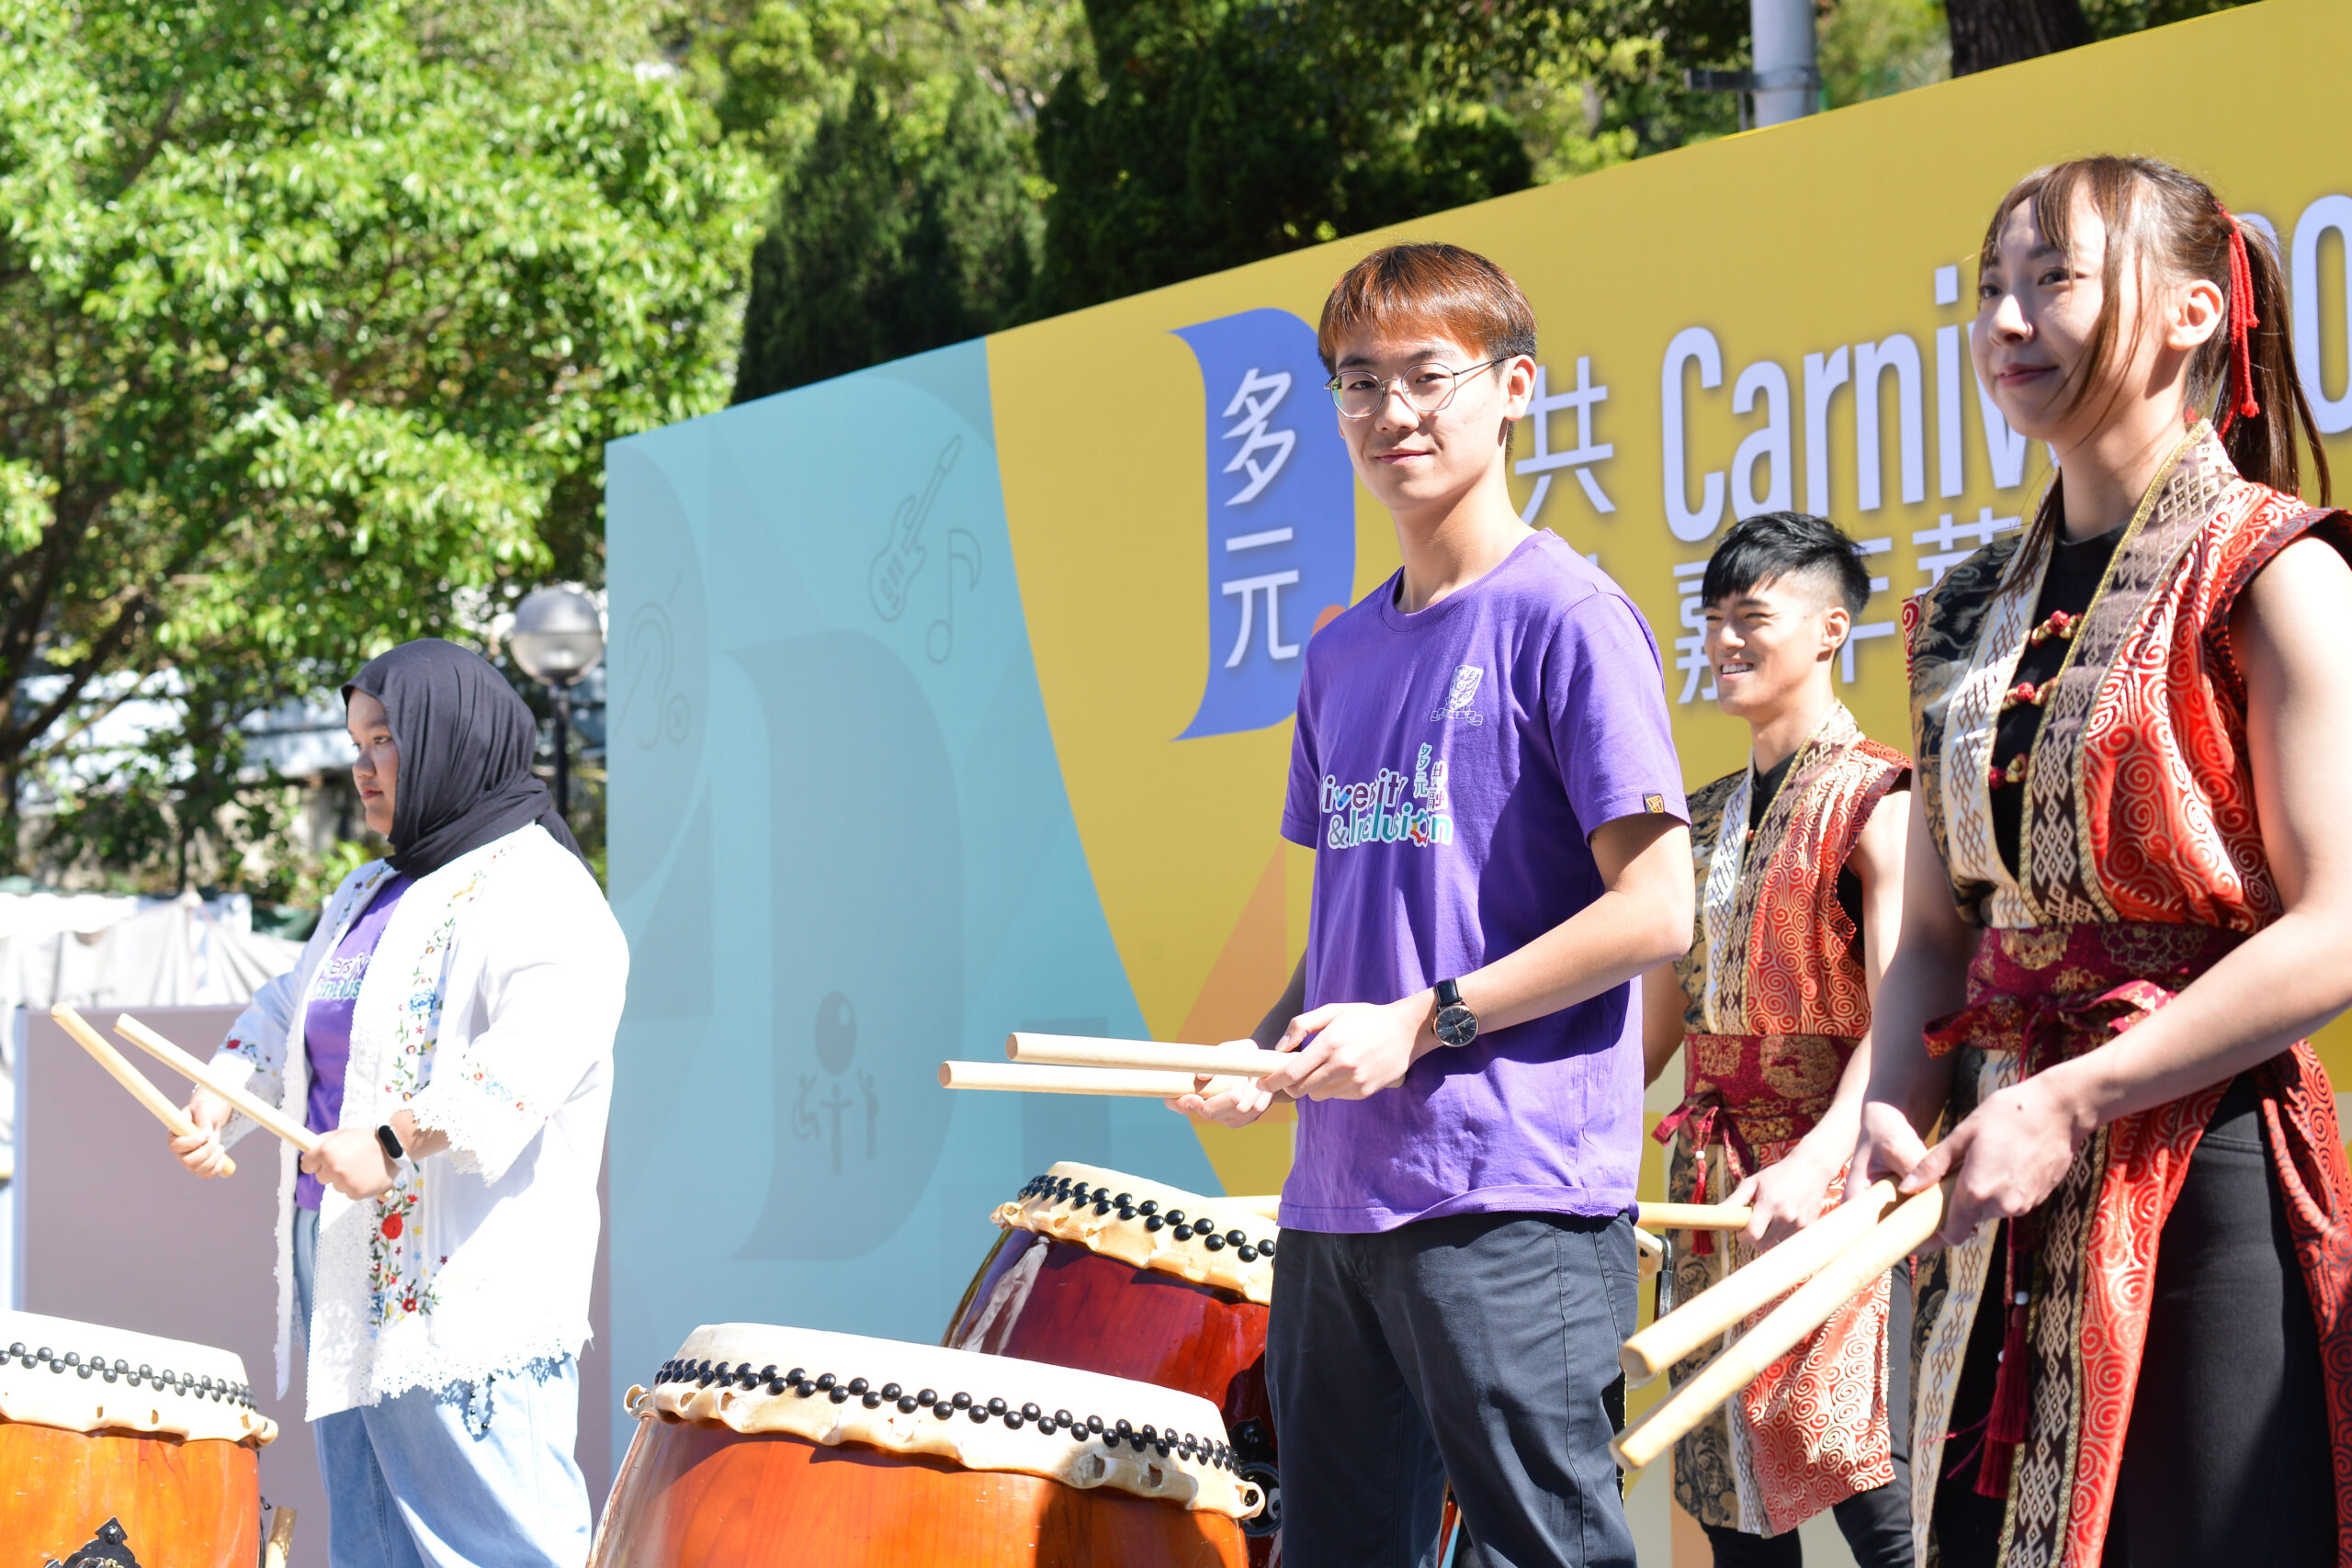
column 1780, row 319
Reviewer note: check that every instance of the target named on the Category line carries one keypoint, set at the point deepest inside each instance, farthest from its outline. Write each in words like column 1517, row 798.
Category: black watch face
column 1456, row 1025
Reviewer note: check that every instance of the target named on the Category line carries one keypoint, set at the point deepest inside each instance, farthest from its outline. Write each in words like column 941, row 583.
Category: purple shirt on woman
column 327, row 1025
column 1448, row 768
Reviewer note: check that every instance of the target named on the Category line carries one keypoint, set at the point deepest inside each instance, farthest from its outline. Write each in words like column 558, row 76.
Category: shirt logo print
column 340, row 977
column 1458, row 694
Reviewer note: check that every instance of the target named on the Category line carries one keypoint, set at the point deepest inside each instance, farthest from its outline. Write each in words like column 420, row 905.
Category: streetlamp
column 557, row 637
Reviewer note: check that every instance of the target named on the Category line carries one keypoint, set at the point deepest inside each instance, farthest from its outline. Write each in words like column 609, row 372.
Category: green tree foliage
column 1161, row 139
column 1872, row 48
column 878, row 249
column 774, row 69
column 907, row 213
column 2113, row 18
column 319, row 312
column 1213, row 133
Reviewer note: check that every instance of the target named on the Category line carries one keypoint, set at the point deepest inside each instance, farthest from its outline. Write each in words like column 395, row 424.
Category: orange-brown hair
column 2168, row 226
column 1438, row 289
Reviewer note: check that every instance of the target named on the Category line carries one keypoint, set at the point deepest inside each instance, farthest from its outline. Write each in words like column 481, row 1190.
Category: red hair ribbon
column 2243, row 320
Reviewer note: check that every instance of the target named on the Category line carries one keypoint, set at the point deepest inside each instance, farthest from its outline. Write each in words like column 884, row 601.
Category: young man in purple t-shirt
column 1483, row 767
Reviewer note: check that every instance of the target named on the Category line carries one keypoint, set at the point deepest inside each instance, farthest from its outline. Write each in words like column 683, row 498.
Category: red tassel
column 2004, row 1427
column 2239, row 398
column 1993, row 1475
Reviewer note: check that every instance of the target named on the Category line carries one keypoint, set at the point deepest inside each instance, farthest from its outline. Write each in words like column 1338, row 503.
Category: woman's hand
column 1787, row 1197
column 1351, row 1050
column 2009, row 1154
column 1228, row 1102
column 1886, row 1148
column 350, row 1160
column 204, row 1153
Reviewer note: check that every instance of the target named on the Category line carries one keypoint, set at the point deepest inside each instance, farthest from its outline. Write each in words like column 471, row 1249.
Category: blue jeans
column 476, row 1475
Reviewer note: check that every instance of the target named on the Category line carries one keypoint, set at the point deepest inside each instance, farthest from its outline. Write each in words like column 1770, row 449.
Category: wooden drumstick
column 1691, row 1216
column 1742, row 1361
column 1649, row 1255
column 280, row 1545
column 259, row 1111
column 174, row 1118
column 1085, row 1051
column 1023, row 1078
column 1705, row 1317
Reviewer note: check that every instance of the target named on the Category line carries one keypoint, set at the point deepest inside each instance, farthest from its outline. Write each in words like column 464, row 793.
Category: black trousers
column 1479, row 1347
column 1876, row 1523
column 2227, row 1459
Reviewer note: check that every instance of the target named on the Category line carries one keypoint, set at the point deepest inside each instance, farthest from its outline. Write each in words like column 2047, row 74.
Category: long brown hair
column 2167, row 224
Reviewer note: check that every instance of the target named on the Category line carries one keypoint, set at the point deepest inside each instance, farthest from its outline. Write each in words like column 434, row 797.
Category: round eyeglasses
column 1426, row 388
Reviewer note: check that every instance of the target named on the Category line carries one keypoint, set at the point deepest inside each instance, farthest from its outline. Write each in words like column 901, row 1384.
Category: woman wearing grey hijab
column 447, row 1033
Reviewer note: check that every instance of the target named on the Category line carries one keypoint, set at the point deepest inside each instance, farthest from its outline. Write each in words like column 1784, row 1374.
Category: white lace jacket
column 488, row 1012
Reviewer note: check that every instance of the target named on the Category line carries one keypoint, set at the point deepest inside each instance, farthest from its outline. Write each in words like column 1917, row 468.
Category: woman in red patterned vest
column 1799, row 863
column 2129, row 900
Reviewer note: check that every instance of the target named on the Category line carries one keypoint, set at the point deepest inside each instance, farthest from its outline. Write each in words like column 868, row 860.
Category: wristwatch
column 1454, row 1024
column 389, row 1142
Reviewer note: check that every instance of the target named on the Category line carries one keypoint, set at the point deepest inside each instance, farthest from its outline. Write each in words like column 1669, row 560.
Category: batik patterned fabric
column 2140, row 865
column 1776, row 1001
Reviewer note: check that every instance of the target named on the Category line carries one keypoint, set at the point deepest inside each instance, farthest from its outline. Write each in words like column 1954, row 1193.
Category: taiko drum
column 120, row 1448
column 1112, row 1273
column 760, row 1447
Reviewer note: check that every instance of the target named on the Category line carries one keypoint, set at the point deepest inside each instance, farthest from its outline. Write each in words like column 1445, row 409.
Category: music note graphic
column 649, row 651
column 903, row 554
column 964, row 550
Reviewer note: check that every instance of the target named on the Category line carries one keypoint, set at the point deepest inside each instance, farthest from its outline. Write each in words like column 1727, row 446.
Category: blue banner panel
column 1281, row 537
column 842, row 850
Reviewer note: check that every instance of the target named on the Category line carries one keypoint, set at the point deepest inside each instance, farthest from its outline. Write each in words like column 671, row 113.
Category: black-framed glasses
column 1427, row 388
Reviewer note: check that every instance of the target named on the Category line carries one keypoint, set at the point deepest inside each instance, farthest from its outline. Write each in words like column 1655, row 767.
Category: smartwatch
column 389, row 1142
column 1454, row 1024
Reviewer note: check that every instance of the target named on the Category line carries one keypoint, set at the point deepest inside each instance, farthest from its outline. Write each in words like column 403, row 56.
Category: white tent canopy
column 91, row 949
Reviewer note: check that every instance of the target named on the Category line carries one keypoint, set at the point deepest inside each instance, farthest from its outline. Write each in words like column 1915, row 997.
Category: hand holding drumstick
column 202, row 1151
column 347, row 1160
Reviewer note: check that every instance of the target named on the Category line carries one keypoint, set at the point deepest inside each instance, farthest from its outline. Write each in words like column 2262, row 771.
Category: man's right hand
column 1228, row 1101
column 203, row 1153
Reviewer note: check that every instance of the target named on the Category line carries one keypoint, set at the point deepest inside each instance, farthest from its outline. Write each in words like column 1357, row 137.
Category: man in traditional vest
column 1799, row 862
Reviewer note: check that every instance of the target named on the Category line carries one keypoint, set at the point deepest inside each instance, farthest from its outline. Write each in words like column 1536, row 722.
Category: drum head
column 85, row 1377
column 995, row 1413
column 1151, row 1226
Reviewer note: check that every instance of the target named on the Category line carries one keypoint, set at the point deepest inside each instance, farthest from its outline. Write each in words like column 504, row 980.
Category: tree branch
column 16, row 738
column 58, row 544
column 155, row 140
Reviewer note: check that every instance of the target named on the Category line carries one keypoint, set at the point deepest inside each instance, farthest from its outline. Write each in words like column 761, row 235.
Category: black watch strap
column 389, row 1142
column 1453, row 1023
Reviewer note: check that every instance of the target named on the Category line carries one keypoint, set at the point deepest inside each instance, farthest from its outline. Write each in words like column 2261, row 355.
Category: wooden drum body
column 1110, row 1273
column 124, row 1447
column 761, row 1447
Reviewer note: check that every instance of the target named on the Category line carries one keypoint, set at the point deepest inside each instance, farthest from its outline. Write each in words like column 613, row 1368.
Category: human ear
column 2195, row 315
column 1518, row 386
column 1835, row 623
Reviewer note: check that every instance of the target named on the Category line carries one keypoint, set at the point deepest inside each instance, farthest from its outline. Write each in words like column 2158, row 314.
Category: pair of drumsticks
column 1826, row 1265
column 174, row 1118
column 1823, row 1267
column 1080, row 1063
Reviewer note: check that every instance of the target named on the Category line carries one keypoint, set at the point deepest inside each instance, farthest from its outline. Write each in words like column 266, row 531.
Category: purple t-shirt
column 327, row 1025
column 1447, row 770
